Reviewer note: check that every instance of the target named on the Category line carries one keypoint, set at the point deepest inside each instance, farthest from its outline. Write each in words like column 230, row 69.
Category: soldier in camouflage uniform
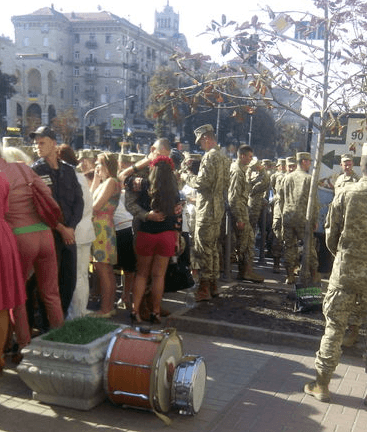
column 348, row 175
column 346, row 178
column 260, row 181
column 277, row 240
column 238, row 193
column 293, row 199
column 346, row 238
column 211, row 185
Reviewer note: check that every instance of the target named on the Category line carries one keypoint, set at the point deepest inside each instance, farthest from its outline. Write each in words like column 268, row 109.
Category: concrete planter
column 65, row 374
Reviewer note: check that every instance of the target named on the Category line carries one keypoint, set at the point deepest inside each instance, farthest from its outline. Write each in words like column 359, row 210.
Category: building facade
column 97, row 63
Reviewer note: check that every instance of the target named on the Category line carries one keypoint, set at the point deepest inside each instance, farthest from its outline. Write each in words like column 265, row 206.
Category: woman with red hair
column 157, row 236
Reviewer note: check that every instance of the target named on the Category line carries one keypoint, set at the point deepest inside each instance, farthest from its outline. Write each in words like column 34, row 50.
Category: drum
column 139, row 367
column 188, row 384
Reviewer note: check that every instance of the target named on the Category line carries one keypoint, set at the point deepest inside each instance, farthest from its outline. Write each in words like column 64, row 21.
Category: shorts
column 163, row 244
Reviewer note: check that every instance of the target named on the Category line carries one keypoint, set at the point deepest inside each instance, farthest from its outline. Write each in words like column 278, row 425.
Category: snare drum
column 139, row 367
column 188, row 385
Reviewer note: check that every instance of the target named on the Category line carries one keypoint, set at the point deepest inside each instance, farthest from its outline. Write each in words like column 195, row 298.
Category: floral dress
column 104, row 246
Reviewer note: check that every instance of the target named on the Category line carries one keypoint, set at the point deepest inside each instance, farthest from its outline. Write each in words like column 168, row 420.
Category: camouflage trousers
column 291, row 234
column 254, row 211
column 243, row 242
column 337, row 306
column 277, row 239
column 207, row 249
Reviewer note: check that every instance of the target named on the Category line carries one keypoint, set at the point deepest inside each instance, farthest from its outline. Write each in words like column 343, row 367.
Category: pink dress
column 12, row 289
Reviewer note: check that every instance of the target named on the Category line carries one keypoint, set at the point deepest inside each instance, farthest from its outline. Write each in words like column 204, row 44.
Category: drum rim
column 107, row 361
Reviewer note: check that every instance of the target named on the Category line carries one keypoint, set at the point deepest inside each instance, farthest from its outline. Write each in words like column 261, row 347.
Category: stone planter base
column 65, row 374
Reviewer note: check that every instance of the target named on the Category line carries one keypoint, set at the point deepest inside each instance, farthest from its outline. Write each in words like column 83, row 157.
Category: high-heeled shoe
column 155, row 318
column 135, row 318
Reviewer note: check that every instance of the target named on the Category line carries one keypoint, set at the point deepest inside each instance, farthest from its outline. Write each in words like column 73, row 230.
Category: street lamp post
column 95, row 109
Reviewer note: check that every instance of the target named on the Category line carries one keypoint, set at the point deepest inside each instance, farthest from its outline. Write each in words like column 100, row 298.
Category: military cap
column 135, row 157
column 201, row 130
column 86, row 154
column 124, row 158
column 43, row 131
column 303, row 156
column 280, row 161
column 290, row 160
column 345, row 157
column 266, row 162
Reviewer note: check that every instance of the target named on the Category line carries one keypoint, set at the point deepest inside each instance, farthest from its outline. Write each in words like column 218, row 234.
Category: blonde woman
column 106, row 194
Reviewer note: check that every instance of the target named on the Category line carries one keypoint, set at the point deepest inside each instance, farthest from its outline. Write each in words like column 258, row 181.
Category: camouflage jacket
column 238, row 192
column 344, row 179
column 293, row 197
column 211, row 185
column 346, row 236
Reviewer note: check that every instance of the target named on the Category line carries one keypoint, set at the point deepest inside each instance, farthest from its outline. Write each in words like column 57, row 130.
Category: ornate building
column 98, row 63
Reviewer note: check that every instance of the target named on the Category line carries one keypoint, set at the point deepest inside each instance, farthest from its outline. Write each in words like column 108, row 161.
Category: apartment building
column 85, row 61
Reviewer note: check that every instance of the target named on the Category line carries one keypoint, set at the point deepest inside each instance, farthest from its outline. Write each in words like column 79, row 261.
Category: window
column 76, row 103
column 76, row 38
column 76, row 88
column 45, row 42
column 61, row 93
column 26, row 41
column 106, row 89
column 76, row 71
column 92, row 36
column 76, row 55
column 45, row 28
column 108, row 39
column 107, row 55
column 107, row 72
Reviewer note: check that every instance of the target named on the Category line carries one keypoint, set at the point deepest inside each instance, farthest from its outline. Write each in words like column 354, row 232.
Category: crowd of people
column 140, row 213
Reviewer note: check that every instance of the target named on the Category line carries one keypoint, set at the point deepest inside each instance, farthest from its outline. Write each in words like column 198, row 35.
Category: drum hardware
column 147, row 370
column 188, row 384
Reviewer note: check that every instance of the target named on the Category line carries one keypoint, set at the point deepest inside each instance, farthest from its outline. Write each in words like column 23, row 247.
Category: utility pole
column 98, row 108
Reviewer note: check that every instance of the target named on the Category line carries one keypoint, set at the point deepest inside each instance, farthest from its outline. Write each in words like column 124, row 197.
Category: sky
column 195, row 15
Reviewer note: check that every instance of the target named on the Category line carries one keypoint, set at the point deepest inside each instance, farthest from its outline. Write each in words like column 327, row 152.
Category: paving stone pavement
column 251, row 386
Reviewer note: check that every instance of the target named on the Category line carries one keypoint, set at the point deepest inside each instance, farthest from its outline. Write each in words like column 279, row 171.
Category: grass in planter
column 81, row 331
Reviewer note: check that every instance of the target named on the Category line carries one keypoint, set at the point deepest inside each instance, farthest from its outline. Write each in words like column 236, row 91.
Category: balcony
column 91, row 44
column 90, row 61
column 90, row 77
column 90, row 94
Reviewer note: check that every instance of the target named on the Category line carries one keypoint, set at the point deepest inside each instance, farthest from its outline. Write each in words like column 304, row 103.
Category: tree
column 65, row 124
column 7, row 90
column 329, row 74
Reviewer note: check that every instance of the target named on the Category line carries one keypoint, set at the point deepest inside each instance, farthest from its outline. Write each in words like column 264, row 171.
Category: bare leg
column 107, row 282
column 4, row 326
column 159, row 268
column 144, row 265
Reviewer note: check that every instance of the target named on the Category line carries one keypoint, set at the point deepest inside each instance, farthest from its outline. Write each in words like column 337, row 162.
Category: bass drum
column 188, row 385
column 139, row 367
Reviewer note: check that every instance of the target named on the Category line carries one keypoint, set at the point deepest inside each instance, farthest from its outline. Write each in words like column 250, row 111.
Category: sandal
column 155, row 318
column 135, row 318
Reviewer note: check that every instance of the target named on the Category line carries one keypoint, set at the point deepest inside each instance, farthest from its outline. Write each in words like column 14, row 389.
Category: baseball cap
column 43, row 131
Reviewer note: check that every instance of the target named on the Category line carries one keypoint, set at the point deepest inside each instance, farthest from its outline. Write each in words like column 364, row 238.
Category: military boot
column 214, row 288
column 351, row 336
column 241, row 269
column 276, row 265
column 250, row 275
column 203, row 292
column 290, row 276
column 319, row 388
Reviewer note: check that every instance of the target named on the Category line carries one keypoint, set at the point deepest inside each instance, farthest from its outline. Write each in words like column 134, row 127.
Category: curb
column 251, row 334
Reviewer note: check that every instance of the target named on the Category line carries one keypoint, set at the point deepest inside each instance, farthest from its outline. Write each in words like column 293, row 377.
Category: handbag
column 47, row 208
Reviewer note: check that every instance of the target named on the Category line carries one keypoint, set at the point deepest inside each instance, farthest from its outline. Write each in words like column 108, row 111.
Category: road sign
column 117, row 123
